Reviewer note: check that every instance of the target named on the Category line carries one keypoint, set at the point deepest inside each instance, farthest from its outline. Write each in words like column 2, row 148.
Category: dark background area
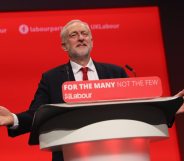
column 32, row 5
column 172, row 22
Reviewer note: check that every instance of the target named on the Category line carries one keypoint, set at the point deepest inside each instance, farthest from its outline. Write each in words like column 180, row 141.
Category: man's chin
column 82, row 52
column 83, row 55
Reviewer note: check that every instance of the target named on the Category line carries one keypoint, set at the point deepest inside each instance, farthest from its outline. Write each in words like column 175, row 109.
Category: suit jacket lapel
column 100, row 70
column 67, row 75
column 70, row 72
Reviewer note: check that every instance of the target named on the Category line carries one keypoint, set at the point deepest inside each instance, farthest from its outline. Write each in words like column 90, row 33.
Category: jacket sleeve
column 25, row 118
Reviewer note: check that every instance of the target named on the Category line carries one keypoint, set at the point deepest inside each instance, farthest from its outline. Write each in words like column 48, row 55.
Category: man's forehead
column 77, row 26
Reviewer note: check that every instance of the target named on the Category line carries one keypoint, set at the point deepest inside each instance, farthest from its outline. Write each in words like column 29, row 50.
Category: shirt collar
column 76, row 67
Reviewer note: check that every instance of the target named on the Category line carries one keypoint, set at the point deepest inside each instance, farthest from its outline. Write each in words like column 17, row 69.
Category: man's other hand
column 6, row 117
column 181, row 109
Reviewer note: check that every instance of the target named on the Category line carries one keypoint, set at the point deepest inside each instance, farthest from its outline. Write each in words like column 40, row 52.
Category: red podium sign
column 112, row 89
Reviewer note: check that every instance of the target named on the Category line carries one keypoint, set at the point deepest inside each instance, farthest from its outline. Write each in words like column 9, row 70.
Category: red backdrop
column 30, row 45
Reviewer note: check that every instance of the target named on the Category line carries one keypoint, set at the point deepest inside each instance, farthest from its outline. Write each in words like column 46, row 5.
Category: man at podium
column 77, row 41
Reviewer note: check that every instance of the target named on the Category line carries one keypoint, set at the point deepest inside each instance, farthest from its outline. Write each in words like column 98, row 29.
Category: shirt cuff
column 16, row 122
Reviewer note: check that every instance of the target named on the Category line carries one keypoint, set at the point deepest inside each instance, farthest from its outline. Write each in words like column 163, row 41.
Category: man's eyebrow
column 73, row 32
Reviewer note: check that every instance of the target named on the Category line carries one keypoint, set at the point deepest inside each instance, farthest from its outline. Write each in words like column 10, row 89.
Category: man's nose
column 81, row 36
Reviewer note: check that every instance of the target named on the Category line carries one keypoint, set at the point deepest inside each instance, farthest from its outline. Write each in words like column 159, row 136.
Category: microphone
column 131, row 70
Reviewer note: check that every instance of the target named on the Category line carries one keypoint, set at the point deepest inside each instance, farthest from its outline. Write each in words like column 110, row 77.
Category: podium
column 104, row 131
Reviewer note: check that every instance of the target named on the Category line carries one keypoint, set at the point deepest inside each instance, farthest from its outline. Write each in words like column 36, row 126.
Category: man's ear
column 64, row 46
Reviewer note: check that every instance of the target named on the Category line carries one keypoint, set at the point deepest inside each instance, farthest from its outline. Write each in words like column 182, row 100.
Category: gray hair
column 64, row 29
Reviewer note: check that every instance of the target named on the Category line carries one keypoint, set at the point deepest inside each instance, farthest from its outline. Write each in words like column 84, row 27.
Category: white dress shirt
column 92, row 73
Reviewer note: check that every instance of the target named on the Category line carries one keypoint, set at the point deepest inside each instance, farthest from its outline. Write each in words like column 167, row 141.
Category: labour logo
column 23, row 29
